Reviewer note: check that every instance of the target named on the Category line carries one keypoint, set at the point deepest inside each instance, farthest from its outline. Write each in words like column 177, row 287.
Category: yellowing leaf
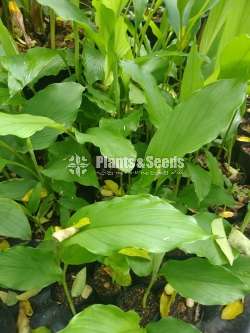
column 169, row 290
column 112, row 186
column 13, row 7
column 243, row 138
column 4, row 245
column 27, row 308
column 226, row 214
column 221, row 239
column 135, row 252
column 165, row 304
column 106, row 193
column 26, row 197
column 63, row 234
column 23, row 322
column 232, row 311
column 82, row 223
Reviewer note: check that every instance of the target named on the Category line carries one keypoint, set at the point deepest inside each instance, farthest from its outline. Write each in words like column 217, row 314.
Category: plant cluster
column 118, row 123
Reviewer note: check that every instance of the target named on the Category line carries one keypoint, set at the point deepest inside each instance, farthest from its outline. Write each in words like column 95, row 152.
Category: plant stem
column 157, row 260
column 52, row 29
column 66, row 290
column 77, row 51
column 246, row 221
column 33, row 157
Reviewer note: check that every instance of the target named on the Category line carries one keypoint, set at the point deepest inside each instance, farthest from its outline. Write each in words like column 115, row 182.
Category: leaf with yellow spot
column 135, row 252
column 4, row 245
column 27, row 196
column 232, row 311
column 82, row 223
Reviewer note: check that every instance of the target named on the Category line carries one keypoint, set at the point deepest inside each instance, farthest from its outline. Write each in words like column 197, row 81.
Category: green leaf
column 7, row 41
column 59, row 102
column 171, row 325
column 206, row 284
column 16, row 188
column 110, row 318
column 120, row 269
column 120, row 221
column 76, row 255
column 173, row 15
column 235, row 59
column 25, row 268
column 124, row 126
column 25, row 125
column 79, row 283
column 198, row 120
column 70, row 162
column 207, row 248
column 13, row 222
column 111, row 144
column 201, row 179
column 241, row 269
column 139, row 8
column 215, row 170
column 192, row 77
column 158, row 108
column 27, row 68
column 221, row 238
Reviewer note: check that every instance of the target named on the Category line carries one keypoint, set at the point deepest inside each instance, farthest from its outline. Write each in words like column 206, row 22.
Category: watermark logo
column 78, row 165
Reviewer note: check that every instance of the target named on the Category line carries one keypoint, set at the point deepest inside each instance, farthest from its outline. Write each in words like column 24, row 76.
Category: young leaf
column 139, row 7
column 120, row 221
column 206, row 284
column 110, row 318
column 79, row 283
column 221, row 238
column 192, row 77
column 25, row 125
column 172, row 325
column 201, row 179
column 215, row 170
column 13, row 222
column 25, row 268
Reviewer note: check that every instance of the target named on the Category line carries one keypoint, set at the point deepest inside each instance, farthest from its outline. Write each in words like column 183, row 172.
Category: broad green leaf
column 207, row 248
column 221, row 238
column 111, row 144
column 158, row 108
column 201, row 179
column 25, row 125
column 120, row 221
column 27, row 68
column 76, row 255
column 59, row 102
column 93, row 63
column 198, row 120
column 7, row 41
column 16, row 188
column 109, row 318
column 206, row 284
column 171, row 325
column 235, row 59
column 25, row 268
column 241, row 269
column 192, row 77
column 13, row 222
column 70, row 162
